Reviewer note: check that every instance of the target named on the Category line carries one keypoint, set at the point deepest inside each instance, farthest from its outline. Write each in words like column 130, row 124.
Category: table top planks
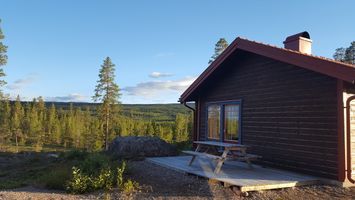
column 220, row 144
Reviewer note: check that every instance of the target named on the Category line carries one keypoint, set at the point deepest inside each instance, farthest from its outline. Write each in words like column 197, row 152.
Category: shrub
column 79, row 183
column 95, row 172
column 83, row 183
column 130, row 186
column 120, row 172
column 105, row 180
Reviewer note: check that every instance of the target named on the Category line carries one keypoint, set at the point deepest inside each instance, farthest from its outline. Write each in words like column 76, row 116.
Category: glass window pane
column 231, row 122
column 213, row 123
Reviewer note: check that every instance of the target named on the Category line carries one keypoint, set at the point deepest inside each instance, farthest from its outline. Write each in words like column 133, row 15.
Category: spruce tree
column 107, row 93
column 221, row 45
column 3, row 61
column 181, row 128
column 350, row 53
column 26, row 122
column 35, row 127
column 68, row 131
column 52, row 127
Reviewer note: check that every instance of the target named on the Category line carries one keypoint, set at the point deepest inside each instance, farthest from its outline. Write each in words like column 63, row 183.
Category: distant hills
column 154, row 112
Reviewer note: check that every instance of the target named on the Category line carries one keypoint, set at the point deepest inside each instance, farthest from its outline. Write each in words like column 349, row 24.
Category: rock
column 52, row 155
column 138, row 147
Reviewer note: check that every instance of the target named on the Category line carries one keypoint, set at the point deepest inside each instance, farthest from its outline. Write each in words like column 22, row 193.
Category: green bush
column 91, row 172
column 130, row 186
column 120, row 172
column 83, row 183
column 105, row 180
column 80, row 183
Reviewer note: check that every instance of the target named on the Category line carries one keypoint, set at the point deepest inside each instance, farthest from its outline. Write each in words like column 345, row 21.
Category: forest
column 78, row 125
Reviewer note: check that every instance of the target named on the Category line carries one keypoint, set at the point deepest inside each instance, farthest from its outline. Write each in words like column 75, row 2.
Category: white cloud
column 23, row 82
column 159, row 74
column 155, row 88
column 74, row 97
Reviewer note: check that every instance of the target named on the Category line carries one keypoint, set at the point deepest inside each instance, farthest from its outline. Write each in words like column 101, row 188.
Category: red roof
column 332, row 68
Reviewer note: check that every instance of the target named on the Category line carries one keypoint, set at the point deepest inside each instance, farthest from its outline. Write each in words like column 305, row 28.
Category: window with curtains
column 231, row 122
column 223, row 121
column 214, row 122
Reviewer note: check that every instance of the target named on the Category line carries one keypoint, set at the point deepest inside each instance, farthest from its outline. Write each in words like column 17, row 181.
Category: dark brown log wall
column 289, row 114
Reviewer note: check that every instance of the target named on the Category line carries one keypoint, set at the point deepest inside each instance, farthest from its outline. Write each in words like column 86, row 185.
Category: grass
column 28, row 148
column 55, row 178
column 18, row 170
column 31, row 167
column 40, row 170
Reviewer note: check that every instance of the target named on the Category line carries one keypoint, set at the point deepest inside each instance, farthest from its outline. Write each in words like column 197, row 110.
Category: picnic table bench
column 230, row 152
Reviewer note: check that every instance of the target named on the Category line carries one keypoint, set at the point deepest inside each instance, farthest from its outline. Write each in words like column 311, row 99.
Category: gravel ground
column 160, row 183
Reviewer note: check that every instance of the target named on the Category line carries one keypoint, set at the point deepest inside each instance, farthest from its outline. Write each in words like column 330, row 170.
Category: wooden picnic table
column 231, row 151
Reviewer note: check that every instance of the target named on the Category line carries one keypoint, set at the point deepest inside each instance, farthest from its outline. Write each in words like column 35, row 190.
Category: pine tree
column 346, row 55
column 221, row 45
column 3, row 61
column 107, row 93
column 339, row 54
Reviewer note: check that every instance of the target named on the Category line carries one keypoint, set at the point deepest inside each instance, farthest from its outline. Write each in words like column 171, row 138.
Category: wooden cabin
column 294, row 109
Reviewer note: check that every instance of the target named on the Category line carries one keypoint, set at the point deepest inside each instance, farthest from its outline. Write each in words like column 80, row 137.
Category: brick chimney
column 299, row 42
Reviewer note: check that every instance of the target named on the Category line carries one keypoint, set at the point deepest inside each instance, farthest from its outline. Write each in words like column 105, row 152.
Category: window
column 214, row 114
column 231, row 122
column 223, row 121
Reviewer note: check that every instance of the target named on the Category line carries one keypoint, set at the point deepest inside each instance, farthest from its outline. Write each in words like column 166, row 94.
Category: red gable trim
column 342, row 71
column 225, row 54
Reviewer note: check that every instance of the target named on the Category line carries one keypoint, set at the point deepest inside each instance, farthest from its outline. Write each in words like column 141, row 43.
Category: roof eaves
column 229, row 50
column 319, row 64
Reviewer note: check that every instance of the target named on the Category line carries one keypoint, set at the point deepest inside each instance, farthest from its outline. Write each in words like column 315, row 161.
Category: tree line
column 35, row 124
column 345, row 54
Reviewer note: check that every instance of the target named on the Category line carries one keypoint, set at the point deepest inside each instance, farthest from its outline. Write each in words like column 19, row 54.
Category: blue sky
column 159, row 47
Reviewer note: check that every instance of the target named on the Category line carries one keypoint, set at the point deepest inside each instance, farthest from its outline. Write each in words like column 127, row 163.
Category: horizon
column 83, row 102
column 55, row 49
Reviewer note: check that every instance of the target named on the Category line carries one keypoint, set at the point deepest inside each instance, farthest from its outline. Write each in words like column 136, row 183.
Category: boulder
column 138, row 147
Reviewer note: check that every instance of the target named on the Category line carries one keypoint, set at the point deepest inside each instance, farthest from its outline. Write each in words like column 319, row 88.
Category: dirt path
column 160, row 183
